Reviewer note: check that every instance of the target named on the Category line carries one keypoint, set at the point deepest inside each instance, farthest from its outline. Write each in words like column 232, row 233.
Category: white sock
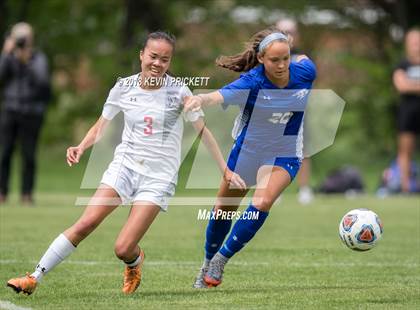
column 59, row 249
column 134, row 263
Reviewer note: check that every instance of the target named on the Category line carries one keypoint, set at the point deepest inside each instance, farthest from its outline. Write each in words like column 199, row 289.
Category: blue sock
column 243, row 231
column 215, row 235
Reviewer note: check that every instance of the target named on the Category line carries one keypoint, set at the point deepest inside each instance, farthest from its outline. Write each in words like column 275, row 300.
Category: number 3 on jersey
column 148, row 130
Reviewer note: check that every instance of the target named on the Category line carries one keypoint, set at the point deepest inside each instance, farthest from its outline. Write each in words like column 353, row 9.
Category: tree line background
column 355, row 44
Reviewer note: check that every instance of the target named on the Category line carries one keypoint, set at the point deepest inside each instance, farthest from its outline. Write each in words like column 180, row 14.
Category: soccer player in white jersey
column 144, row 170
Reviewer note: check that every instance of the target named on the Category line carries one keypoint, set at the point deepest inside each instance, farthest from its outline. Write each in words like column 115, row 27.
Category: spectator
column 406, row 80
column 25, row 91
column 305, row 195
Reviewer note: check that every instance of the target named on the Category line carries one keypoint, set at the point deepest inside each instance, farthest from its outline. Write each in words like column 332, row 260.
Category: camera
column 21, row 42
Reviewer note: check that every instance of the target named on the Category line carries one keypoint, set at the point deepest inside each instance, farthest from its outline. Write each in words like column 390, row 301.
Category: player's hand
column 73, row 155
column 8, row 46
column 234, row 179
column 193, row 103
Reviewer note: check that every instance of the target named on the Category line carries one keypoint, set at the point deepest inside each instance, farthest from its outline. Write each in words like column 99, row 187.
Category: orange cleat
column 26, row 284
column 132, row 276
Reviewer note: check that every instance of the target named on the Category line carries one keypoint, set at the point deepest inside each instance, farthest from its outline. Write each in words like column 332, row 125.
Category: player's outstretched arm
column 212, row 146
column 94, row 134
column 194, row 103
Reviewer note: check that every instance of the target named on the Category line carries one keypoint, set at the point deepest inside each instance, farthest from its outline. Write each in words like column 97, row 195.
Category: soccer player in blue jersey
column 271, row 95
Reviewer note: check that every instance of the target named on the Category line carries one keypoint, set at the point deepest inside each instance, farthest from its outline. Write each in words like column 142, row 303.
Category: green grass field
column 295, row 262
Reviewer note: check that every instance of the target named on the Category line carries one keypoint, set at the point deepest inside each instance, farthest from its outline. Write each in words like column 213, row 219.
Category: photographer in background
column 25, row 88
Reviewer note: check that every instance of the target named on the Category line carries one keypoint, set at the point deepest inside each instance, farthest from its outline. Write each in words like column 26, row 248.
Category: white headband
column 270, row 38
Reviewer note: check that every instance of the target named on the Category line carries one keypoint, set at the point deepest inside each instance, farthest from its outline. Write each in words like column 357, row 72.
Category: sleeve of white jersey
column 112, row 103
column 190, row 116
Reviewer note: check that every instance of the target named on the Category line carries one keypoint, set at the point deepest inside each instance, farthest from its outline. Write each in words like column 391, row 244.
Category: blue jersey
column 271, row 118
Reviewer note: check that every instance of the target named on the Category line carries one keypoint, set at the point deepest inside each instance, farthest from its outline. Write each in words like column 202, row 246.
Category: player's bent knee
column 263, row 204
column 124, row 251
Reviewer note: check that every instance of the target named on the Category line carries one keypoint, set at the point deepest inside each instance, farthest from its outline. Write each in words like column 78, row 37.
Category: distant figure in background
column 305, row 195
column 406, row 80
column 25, row 91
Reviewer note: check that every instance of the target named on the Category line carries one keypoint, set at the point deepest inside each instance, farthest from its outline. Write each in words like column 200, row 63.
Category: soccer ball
column 360, row 229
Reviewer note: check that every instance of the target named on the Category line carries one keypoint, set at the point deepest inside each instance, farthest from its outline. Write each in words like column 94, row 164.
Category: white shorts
column 132, row 186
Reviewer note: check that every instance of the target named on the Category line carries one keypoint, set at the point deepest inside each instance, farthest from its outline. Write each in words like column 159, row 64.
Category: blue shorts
column 246, row 164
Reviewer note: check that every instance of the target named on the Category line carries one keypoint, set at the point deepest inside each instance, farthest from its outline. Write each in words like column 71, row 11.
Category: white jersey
column 153, row 126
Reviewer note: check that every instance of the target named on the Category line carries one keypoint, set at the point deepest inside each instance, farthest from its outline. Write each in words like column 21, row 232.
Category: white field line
column 7, row 305
column 233, row 263
column 116, row 262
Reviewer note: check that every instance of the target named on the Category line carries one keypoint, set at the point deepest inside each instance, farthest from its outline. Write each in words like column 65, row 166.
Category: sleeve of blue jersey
column 236, row 93
column 306, row 69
